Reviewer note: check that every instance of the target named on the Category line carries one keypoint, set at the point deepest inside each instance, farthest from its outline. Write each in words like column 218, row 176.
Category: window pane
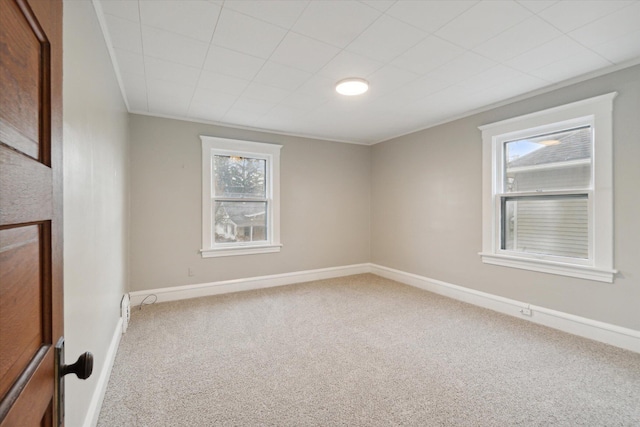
column 554, row 225
column 240, row 221
column 560, row 160
column 239, row 177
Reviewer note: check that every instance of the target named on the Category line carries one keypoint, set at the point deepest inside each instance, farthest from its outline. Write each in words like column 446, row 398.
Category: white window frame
column 596, row 112
column 212, row 146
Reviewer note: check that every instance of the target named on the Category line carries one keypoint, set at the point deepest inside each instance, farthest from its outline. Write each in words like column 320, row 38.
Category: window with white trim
column 548, row 193
column 240, row 197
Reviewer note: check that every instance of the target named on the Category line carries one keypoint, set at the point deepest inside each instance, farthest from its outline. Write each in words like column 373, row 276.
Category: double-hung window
column 240, row 197
column 548, row 197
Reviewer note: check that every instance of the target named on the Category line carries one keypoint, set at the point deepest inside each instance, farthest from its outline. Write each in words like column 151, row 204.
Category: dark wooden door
column 30, row 209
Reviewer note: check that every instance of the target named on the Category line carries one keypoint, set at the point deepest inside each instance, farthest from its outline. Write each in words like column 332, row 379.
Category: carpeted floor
column 360, row 351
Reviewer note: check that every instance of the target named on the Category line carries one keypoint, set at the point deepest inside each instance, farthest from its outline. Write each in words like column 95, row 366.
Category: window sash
column 564, row 165
column 500, row 192
column 267, row 231
column 571, row 232
column 215, row 199
column 215, row 170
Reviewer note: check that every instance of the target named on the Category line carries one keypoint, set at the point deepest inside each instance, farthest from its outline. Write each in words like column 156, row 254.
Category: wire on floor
column 155, row 298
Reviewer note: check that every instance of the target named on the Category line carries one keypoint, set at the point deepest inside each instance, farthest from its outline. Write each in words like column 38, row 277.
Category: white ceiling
column 272, row 65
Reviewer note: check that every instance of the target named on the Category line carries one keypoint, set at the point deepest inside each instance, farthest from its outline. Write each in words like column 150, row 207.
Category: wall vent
column 125, row 312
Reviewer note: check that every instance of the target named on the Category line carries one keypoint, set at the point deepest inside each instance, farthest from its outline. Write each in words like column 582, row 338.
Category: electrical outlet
column 190, row 272
column 526, row 311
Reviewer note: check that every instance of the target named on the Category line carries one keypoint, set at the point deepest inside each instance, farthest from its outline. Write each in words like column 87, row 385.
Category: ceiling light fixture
column 550, row 142
column 352, row 86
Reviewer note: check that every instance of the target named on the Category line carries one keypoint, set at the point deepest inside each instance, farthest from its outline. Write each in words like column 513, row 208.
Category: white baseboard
column 91, row 420
column 261, row 282
column 599, row 331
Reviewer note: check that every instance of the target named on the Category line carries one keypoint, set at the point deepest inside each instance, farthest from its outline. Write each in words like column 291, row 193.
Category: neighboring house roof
column 574, row 145
column 244, row 215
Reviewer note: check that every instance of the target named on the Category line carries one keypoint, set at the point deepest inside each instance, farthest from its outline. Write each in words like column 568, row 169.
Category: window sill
column 240, row 250
column 544, row 266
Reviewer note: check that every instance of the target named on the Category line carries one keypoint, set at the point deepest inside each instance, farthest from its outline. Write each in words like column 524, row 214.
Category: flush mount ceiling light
column 549, row 142
column 352, row 86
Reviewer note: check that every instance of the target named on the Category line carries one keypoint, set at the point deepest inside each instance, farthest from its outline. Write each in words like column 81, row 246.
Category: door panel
column 26, row 190
column 20, row 301
column 31, row 408
column 20, row 77
column 30, row 209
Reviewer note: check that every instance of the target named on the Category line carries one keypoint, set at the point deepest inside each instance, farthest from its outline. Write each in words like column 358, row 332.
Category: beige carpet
column 360, row 351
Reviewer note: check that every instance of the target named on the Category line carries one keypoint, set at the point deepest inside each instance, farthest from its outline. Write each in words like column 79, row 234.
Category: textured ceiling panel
column 272, row 65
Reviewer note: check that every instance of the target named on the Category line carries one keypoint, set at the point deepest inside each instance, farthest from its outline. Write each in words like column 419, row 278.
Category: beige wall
column 427, row 208
column 325, row 205
column 95, row 200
